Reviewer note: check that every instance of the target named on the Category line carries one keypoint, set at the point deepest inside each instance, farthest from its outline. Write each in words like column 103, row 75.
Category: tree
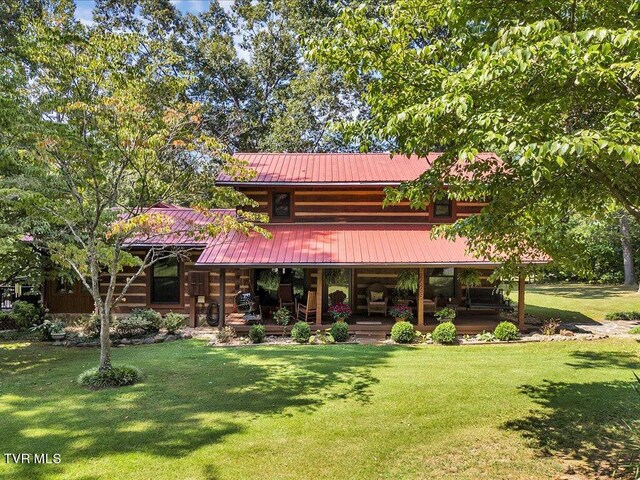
column 115, row 134
column 552, row 87
column 627, row 250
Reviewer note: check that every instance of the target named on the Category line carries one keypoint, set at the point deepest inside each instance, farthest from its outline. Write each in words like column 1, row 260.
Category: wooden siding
column 353, row 204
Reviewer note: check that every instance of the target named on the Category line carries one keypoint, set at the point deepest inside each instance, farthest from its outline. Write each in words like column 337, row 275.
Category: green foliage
column 25, row 314
column 282, row 316
column 90, row 324
column 402, row 332
column 116, row 376
column 340, row 331
column 301, row 332
column 623, row 316
column 407, row 281
column 148, row 315
column 226, row 334
column 47, row 327
column 446, row 314
column 506, row 331
column 173, row 322
column 321, row 337
column 469, row 277
column 635, row 330
column 7, row 321
column 257, row 333
column 401, row 311
column 133, row 325
column 485, row 337
column 445, row 333
column 538, row 84
column 269, row 280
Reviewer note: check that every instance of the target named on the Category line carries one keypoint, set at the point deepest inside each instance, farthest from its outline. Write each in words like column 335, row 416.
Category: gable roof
column 334, row 168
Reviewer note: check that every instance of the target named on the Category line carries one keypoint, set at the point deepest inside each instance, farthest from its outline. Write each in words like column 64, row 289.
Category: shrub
column 340, row 331
column 256, row 333
column 133, row 325
column 90, row 324
column 7, row 321
column 622, row 316
column 635, row 330
column 46, row 328
column 550, row 326
column 117, row 376
column 301, row 332
column 148, row 315
column 402, row 332
column 322, row 337
column 172, row 322
column 401, row 311
column 226, row 334
column 25, row 314
column 447, row 314
column 445, row 333
column 506, row 331
column 282, row 317
column 485, row 337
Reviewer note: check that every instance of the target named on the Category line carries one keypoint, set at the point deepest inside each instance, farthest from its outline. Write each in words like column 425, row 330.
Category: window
column 281, row 205
column 442, row 208
column 441, row 282
column 165, row 281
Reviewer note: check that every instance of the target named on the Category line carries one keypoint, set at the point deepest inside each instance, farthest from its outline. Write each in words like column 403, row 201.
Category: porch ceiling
column 340, row 245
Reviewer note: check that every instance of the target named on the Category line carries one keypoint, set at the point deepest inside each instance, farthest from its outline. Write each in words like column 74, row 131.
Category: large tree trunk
column 627, row 250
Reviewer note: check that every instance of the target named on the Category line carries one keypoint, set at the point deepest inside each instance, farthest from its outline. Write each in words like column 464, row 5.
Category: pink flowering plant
column 401, row 311
column 340, row 312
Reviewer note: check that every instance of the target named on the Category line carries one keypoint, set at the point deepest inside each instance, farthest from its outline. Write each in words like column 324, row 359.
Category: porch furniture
column 308, row 312
column 429, row 305
column 377, row 299
column 285, row 296
column 487, row 298
column 249, row 306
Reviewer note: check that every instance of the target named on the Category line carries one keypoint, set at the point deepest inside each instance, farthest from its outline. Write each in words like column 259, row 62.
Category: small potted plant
column 447, row 314
column 401, row 313
column 57, row 331
column 282, row 317
column 339, row 312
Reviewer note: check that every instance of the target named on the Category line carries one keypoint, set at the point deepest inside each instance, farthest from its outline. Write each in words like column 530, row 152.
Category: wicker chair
column 380, row 303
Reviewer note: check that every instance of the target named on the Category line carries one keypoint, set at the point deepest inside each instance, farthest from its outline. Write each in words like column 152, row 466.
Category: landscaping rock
column 136, row 341
column 170, row 338
column 159, row 338
column 148, row 341
column 58, row 343
column 125, row 341
column 186, row 336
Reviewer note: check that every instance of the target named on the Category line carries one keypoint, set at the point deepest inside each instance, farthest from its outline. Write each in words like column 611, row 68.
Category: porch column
column 319, row 287
column 221, row 309
column 521, row 285
column 421, row 297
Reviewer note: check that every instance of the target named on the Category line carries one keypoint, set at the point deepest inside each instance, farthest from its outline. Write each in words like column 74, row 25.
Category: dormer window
column 281, row 205
column 442, row 208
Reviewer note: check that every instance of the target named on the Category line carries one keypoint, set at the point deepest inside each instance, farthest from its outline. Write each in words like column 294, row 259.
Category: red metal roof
column 327, row 244
column 350, row 168
column 182, row 222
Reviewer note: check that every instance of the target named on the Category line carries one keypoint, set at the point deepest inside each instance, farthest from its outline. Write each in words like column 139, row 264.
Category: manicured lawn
column 578, row 301
column 358, row 411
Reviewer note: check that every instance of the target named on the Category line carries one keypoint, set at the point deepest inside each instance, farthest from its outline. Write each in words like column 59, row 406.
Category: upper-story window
column 281, row 205
column 442, row 208
column 165, row 281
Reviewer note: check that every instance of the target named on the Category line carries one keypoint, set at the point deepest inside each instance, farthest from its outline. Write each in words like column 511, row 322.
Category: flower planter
column 58, row 336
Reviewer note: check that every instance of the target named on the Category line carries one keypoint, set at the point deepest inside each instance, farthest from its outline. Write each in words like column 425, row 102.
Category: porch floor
column 379, row 327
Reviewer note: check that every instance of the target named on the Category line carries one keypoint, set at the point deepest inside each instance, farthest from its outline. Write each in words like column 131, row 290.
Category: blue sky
column 84, row 7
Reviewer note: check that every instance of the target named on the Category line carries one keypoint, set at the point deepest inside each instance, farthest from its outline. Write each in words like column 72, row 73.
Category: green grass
column 577, row 301
column 326, row 412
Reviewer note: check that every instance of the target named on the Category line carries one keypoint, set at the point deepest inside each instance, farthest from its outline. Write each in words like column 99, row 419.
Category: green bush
column 149, row 315
column 402, row 332
column 46, row 328
column 172, row 322
column 506, row 331
column 635, row 330
column 623, row 316
column 340, row 331
column 256, row 333
column 25, row 314
column 7, row 321
column 118, row 376
column 301, row 332
column 445, row 333
column 133, row 325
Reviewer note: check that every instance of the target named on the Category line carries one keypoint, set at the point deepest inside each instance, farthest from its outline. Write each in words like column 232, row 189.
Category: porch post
column 221, row 309
column 421, row 297
column 521, row 287
column 319, row 287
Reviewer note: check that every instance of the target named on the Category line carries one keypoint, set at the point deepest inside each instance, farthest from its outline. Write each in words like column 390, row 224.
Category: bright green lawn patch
column 344, row 411
column 578, row 301
column 635, row 330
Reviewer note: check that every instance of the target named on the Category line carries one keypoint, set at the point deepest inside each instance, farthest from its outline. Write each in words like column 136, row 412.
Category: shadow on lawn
column 591, row 359
column 562, row 314
column 192, row 397
column 594, row 427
